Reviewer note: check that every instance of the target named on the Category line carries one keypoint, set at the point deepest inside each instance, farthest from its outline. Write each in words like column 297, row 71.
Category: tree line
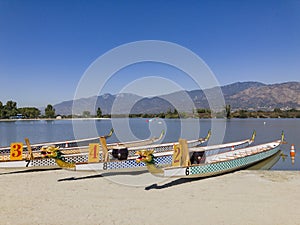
column 204, row 113
column 11, row 111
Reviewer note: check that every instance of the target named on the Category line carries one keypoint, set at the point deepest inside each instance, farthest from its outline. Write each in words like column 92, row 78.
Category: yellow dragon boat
column 23, row 157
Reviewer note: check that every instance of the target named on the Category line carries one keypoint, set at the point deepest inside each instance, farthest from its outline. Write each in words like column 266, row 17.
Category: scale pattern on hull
column 226, row 166
column 165, row 160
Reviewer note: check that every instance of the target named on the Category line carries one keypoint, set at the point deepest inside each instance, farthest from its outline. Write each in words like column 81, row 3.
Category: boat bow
column 147, row 157
column 54, row 153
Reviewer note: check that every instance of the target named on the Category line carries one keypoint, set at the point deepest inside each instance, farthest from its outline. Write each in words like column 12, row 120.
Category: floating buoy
column 292, row 153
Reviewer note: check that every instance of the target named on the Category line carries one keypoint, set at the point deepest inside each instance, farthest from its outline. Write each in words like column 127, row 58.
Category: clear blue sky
column 46, row 46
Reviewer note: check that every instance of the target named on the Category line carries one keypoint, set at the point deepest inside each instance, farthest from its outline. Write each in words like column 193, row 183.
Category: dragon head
column 51, row 152
column 145, row 156
column 54, row 153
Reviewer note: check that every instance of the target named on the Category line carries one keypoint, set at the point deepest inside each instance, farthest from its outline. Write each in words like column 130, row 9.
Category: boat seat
column 223, row 158
column 242, row 154
column 233, row 156
column 213, row 160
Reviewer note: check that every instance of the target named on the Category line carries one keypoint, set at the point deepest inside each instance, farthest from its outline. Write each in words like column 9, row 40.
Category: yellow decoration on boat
column 105, row 157
column 54, row 152
column 181, row 154
column 93, row 153
column 147, row 157
column 177, row 155
column 185, row 158
column 16, row 151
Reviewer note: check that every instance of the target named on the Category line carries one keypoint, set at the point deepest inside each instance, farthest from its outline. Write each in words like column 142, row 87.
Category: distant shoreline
column 49, row 119
column 54, row 119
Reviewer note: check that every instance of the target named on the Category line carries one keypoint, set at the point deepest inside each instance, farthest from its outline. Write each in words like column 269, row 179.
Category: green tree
column 228, row 111
column 293, row 110
column 86, row 114
column 201, row 110
column 99, row 112
column 243, row 113
column 10, row 109
column 277, row 110
column 30, row 112
column 172, row 115
column 49, row 111
column 1, row 110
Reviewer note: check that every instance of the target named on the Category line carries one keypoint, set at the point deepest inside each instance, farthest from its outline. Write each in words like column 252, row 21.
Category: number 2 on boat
column 176, row 161
column 16, row 151
column 93, row 153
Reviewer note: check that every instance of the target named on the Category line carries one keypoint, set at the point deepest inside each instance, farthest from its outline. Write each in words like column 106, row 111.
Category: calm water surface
column 235, row 129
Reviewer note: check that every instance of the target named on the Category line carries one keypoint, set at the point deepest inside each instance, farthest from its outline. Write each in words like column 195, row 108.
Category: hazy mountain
column 240, row 95
column 267, row 97
column 105, row 102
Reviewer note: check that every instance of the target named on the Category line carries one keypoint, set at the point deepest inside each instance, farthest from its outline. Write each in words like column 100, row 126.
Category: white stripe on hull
column 89, row 167
column 13, row 164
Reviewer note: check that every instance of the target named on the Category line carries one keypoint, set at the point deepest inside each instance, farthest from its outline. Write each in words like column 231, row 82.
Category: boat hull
column 163, row 158
column 83, row 144
column 24, row 165
column 81, row 159
column 217, row 168
column 120, row 165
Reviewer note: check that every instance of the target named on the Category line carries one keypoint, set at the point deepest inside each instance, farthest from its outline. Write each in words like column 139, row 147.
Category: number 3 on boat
column 16, row 151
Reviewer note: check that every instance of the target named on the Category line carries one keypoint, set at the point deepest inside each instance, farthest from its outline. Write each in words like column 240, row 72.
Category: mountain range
column 240, row 95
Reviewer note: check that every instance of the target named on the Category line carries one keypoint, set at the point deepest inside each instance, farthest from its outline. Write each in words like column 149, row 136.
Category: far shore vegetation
column 11, row 111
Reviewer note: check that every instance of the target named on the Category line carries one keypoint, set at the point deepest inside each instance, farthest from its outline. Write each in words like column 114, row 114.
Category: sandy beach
column 56, row 197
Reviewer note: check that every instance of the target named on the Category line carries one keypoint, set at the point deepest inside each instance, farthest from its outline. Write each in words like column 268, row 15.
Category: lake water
column 132, row 129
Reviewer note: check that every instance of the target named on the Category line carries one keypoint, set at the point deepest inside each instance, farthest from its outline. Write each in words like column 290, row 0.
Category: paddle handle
column 29, row 149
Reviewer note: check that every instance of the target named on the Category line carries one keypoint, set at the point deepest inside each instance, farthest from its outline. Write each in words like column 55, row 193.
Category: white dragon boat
column 163, row 156
column 62, row 144
column 70, row 146
column 183, row 166
column 19, row 156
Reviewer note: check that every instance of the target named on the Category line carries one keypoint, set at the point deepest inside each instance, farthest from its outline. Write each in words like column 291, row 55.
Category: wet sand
column 244, row 197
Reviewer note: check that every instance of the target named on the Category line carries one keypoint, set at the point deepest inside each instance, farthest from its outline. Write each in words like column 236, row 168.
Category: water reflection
column 236, row 129
column 268, row 163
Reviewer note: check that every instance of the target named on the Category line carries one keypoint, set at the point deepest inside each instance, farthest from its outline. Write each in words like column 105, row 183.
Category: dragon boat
column 195, row 163
column 53, row 157
column 19, row 156
column 62, row 144
column 163, row 156
column 70, row 146
column 118, row 158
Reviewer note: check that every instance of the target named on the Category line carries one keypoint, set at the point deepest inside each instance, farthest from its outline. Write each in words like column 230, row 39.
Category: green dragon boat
column 183, row 166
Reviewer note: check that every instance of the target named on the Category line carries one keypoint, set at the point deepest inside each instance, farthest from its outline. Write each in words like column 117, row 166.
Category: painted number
column 105, row 166
column 93, row 153
column 16, row 151
column 177, row 154
column 187, row 171
column 176, row 160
